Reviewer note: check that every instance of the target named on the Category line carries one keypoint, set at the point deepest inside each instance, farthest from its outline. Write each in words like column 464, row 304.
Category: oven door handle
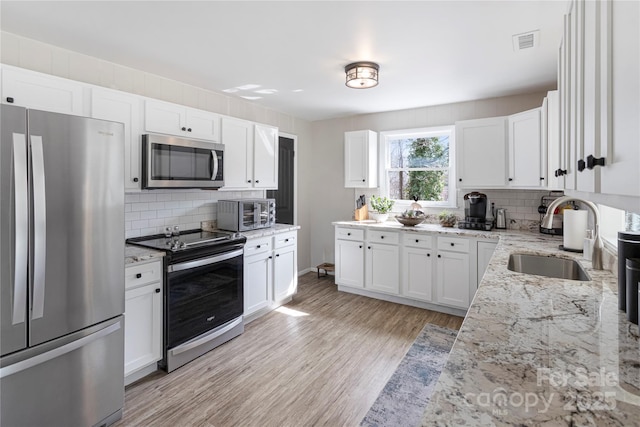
column 202, row 262
column 206, row 338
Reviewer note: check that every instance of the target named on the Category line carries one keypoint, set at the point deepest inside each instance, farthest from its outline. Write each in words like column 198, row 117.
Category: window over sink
column 419, row 163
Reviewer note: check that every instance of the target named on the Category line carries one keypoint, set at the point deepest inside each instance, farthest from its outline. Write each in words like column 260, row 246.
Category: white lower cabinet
column 143, row 317
column 452, row 279
column 270, row 272
column 428, row 270
column 382, row 268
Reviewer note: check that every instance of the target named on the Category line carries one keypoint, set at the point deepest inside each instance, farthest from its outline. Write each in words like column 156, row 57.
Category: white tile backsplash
column 149, row 212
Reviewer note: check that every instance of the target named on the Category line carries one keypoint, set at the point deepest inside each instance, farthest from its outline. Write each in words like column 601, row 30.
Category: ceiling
column 429, row 52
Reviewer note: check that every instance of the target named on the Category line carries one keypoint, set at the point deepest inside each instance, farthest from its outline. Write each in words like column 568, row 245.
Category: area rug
column 406, row 395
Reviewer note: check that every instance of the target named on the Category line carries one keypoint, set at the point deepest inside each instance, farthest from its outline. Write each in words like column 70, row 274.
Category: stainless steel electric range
column 203, row 298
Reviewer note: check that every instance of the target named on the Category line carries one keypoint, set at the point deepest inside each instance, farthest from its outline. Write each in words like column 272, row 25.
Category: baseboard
column 406, row 301
column 141, row 373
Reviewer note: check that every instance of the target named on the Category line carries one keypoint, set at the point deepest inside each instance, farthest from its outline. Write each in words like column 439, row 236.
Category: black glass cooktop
column 186, row 240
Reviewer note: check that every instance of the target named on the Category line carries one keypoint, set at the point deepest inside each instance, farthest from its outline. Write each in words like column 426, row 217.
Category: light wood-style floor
column 320, row 361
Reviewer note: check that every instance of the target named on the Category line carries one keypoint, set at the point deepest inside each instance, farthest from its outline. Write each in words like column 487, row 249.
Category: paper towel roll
column 575, row 229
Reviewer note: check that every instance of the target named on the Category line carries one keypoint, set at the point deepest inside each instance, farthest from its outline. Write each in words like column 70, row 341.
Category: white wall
column 333, row 202
column 151, row 210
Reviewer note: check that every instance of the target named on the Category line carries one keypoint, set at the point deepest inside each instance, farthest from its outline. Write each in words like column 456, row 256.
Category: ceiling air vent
column 526, row 40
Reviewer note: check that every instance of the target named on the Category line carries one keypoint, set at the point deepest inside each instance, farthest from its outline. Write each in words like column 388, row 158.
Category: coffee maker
column 475, row 212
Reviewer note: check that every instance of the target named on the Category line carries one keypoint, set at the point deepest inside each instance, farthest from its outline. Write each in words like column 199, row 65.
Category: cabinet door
column 350, row 263
column 452, row 273
column 41, row 91
column 124, row 108
column 417, row 269
column 482, row 152
column 285, row 273
column 203, row 124
column 143, row 327
column 525, row 149
column 360, row 159
column 382, row 268
column 620, row 103
column 237, row 137
column 265, row 159
column 554, row 180
column 164, row 117
column 485, row 252
column 257, row 282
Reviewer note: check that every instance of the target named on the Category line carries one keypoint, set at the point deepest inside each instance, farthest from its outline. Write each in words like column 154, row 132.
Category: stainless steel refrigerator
column 62, row 277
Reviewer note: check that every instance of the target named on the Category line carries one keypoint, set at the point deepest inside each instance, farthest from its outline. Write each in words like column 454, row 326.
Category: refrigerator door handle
column 21, row 219
column 39, row 226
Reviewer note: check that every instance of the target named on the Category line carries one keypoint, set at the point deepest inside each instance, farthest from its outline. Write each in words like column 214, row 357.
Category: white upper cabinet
column 551, row 131
column 124, row 108
column 265, row 157
column 619, row 97
column 361, row 159
column 482, row 150
column 41, row 91
column 599, row 102
column 526, row 152
column 237, row 137
column 251, row 155
column 174, row 119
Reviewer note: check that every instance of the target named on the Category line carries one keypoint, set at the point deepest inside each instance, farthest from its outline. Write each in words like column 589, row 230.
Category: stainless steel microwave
column 172, row 162
column 246, row 214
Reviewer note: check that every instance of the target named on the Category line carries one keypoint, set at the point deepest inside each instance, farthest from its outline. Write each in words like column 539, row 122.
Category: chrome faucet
column 547, row 221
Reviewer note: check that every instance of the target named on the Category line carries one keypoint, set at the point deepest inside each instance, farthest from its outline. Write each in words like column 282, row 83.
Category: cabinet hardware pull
column 257, row 181
column 581, row 165
column 439, row 256
column 560, row 172
column 139, row 275
column 382, row 237
column 135, row 179
column 157, row 290
column 184, row 128
column 363, row 180
column 277, row 254
column 460, row 179
column 348, row 234
column 249, row 181
column 453, row 244
column 510, row 179
column 417, row 240
column 428, row 254
column 286, row 240
column 542, row 178
column 189, row 130
column 368, row 247
column 594, row 161
column 270, row 257
column 360, row 246
column 9, row 100
column 258, row 247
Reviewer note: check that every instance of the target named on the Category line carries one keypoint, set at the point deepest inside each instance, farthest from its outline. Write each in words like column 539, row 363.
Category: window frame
column 385, row 164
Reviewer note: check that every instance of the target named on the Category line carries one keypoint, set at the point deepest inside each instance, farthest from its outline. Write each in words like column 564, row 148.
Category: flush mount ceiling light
column 362, row 75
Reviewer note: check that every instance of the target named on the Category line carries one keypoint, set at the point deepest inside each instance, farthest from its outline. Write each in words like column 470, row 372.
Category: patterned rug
column 405, row 397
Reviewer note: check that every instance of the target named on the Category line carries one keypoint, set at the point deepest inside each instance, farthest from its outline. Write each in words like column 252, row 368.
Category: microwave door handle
column 214, row 162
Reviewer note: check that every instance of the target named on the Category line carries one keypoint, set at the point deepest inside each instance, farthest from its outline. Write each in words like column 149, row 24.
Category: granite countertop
column 422, row 228
column 538, row 351
column 276, row 229
column 133, row 254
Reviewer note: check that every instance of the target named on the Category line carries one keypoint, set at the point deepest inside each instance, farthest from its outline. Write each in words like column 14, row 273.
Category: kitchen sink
column 548, row 266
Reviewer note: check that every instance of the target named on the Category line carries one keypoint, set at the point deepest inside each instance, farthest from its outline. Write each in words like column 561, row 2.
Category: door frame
column 295, row 173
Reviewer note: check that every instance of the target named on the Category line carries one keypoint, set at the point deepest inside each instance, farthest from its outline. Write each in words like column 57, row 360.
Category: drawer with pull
column 285, row 239
column 141, row 274
column 379, row 236
column 417, row 240
column 453, row 244
column 349, row 233
column 257, row 246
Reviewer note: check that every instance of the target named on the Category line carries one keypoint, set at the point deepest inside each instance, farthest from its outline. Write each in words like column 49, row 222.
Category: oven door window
column 173, row 162
column 202, row 298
